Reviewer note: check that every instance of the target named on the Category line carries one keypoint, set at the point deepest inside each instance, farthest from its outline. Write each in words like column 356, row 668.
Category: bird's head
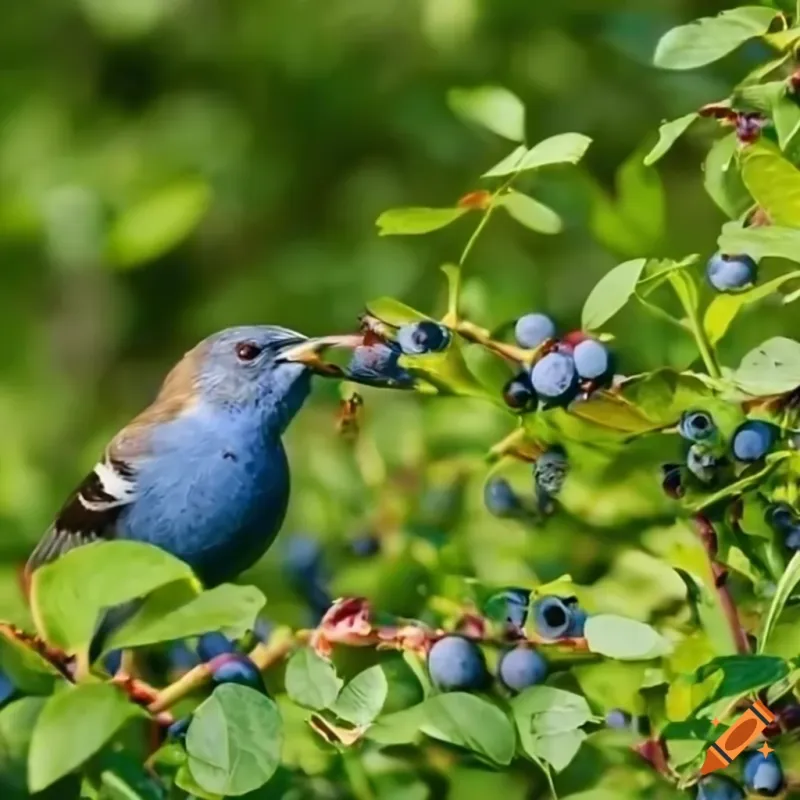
column 243, row 368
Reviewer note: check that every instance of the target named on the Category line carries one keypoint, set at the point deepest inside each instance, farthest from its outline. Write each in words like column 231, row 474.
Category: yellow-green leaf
column 773, row 181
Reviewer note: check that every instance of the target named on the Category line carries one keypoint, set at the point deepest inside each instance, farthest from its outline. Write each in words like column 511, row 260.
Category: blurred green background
column 172, row 167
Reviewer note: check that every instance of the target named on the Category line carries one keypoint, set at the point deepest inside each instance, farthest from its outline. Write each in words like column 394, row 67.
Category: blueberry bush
column 410, row 674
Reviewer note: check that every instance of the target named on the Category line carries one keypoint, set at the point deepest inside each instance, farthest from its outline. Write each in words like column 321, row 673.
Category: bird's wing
column 91, row 512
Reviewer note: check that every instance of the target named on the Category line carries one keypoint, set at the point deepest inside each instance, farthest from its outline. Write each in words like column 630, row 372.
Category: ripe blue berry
column 555, row 379
column 518, row 393
column 376, row 364
column 418, row 338
column 618, row 719
column 577, row 623
column 696, row 426
column 520, row 668
column 457, row 664
column 500, row 499
column 236, row 668
column 781, row 517
column 763, row 775
column 511, row 605
column 365, row 545
column 792, row 540
column 303, row 558
column 731, row 273
column 181, row 657
column 550, row 471
column 179, row 728
column 211, row 645
column 718, row 787
column 753, row 439
column 533, row 330
column 702, row 464
column 671, row 480
column 552, row 617
column 593, row 361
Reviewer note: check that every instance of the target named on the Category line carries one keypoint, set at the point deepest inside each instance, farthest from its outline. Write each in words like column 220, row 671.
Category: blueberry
column 511, row 606
column 418, row 338
column 555, row 379
column 552, row 617
column 376, row 364
column 718, row 787
column 792, row 540
column 577, row 623
column 113, row 661
column 702, row 464
column 520, row 668
column 263, row 629
column 303, row 558
column 753, row 439
column 236, row 668
column 781, row 517
column 763, row 774
column 534, row 329
column 179, row 728
column 500, row 499
column 7, row 688
column 181, row 657
column 731, row 273
column 366, row 545
column 457, row 664
column 593, row 361
column 550, row 471
column 671, row 480
column 319, row 600
column 518, row 393
column 618, row 719
column 696, row 426
column 211, row 645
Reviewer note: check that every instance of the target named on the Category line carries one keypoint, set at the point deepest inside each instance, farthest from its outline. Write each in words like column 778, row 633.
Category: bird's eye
column 247, row 351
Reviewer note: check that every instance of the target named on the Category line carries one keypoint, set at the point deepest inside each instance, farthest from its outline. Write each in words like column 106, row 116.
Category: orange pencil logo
column 736, row 739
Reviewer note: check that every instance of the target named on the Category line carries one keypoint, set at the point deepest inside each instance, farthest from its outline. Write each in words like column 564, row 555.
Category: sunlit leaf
column 759, row 242
column 624, row 639
column 669, row 133
column 412, row 221
column 771, row 368
column 783, row 591
column 531, row 213
column 492, row 107
column 722, row 180
column 362, row 699
column 773, row 181
column 611, row 293
column 564, row 148
column 311, row 680
column 710, row 38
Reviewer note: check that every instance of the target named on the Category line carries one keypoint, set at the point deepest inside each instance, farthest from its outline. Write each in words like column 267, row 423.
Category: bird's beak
column 309, row 352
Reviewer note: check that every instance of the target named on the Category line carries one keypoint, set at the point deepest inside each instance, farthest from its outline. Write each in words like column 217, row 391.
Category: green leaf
column 624, row 639
column 154, row 226
column 362, row 698
column 669, row 133
column 564, row 148
column 722, row 310
column 234, row 741
column 311, row 680
column 611, row 293
column 722, row 179
column 27, row 670
column 742, row 674
column 414, row 221
column 786, row 118
column 783, row 591
column 531, row 213
column 557, row 749
column 401, row 727
column 393, row 312
column 710, row 38
column 124, row 777
column 773, row 182
column 760, row 242
column 759, row 96
column 541, row 710
column 771, row 368
column 68, row 595
column 227, row 608
column 73, row 725
column 471, row 722
column 492, row 107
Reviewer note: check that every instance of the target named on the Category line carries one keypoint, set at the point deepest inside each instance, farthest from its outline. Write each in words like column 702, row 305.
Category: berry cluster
column 763, row 777
column 457, row 663
column 562, row 370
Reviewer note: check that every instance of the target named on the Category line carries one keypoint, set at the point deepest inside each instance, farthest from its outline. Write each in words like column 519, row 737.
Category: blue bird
column 202, row 472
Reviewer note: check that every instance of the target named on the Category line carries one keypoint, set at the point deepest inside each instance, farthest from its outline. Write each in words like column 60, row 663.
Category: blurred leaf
column 773, row 182
column 723, row 309
column 393, row 312
column 760, row 97
column 124, row 20
column 710, row 38
column 69, row 594
column 185, row 781
column 234, row 741
column 27, row 670
column 413, row 221
column 543, row 710
column 611, row 293
column 401, row 727
column 471, row 722
column 624, row 639
column 152, row 228
column 362, row 698
column 227, row 608
column 786, row 117
column 771, row 368
column 564, row 148
column 760, row 242
column 531, row 213
column 722, row 179
column 612, row 684
column 123, row 777
column 557, row 749
column 783, row 592
column 669, row 133
column 73, row 725
column 311, row 680
column 614, row 412
column 743, row 674
column 492, row 107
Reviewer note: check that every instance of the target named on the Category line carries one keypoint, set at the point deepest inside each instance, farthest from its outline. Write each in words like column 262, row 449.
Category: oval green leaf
column 722, row 179
column 362, row 698
column 493, row 107
column 311, row 680
column 771, row 368
column 611, row 293
column 415, row 221
column 624, row 639
column 783, row 591
column 564, row 148
column 760, row 242
column 773, row 182
column 669, row 133
column 531, row 213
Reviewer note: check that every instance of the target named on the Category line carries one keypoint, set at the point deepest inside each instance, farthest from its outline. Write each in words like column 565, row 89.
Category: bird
column 202, row 472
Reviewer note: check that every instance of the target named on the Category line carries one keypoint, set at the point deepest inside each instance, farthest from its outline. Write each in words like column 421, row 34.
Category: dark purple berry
column 518, row 393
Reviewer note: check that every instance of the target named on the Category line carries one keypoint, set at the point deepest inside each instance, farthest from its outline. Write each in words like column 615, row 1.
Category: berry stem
column 695, row 325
